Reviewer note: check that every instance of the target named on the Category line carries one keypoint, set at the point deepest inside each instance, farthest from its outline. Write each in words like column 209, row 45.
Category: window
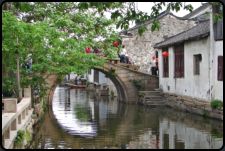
column 220, row 68
column 197, row 59
column 179, row 61
column 165, row 64
column 89, row 71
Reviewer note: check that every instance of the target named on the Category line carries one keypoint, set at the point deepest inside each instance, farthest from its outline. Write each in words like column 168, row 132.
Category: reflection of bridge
column 126, row 91
column 168, row 126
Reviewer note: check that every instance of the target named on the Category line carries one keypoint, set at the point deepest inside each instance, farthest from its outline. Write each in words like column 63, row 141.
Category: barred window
column 220, row 68
column 197, row 59
column 179, row 61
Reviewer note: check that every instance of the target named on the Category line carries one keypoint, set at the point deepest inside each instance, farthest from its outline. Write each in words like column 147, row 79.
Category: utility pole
column 18, row 72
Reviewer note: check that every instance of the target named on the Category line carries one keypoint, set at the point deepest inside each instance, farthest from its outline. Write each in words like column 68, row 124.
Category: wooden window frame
column 165, row 64
column 197, row 60
column 179, row 61
column 220, row 68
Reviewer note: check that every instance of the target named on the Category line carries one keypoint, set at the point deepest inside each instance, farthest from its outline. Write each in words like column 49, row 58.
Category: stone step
column 153, row 97
column 149, row 100
column 156, row 105
column 151, row 93
column 155, row 102
column 156, row 89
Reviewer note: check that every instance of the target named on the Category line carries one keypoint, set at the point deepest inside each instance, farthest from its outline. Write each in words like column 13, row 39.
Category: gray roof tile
column 196, row 11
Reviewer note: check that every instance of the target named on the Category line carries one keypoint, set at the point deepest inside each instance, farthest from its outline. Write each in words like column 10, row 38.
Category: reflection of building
column 174, row 135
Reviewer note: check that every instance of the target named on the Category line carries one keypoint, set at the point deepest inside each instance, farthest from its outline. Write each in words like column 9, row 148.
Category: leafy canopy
column 57, row 33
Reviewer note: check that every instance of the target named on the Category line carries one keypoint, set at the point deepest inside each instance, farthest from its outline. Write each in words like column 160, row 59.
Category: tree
column 57, row 41
column 57, row 33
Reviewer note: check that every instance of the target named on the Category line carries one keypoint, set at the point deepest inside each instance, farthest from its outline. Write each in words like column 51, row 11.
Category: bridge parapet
column 14, row 118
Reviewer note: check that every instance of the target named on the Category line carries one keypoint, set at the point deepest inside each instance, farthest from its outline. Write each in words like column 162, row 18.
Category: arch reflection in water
column 107, row 123
column 74, row 116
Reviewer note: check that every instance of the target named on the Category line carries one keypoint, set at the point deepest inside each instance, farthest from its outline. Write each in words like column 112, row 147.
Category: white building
column 194, row 67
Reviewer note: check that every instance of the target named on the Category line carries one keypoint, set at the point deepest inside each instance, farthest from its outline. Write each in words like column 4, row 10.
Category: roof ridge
column 197, row 9
column 150, row 20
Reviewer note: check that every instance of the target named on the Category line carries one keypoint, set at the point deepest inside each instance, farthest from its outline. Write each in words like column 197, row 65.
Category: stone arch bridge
column 127, row 92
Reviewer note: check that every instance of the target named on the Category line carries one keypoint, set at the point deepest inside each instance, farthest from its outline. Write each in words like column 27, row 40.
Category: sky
column 146, row 7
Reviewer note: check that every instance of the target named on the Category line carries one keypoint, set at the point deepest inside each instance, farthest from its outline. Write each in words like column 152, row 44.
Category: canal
column 78, row 119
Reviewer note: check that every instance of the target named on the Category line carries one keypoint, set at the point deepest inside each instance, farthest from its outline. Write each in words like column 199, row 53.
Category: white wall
column 195, row 86
column 111, row 87
column 217, row 85
column 102, row 78
column 91, row 76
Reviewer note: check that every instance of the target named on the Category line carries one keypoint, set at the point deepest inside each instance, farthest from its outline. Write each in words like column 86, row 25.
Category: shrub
column 112, row 93
column 216, row 104
column 44, row 105
column 140, row 94
column 27, row 135
column 137, row 84
column 20, row 137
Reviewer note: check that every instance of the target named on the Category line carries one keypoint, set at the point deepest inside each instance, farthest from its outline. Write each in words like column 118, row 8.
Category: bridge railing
column 14, row 118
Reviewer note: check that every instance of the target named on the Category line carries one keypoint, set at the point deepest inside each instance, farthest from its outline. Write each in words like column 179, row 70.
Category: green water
column 79, row 119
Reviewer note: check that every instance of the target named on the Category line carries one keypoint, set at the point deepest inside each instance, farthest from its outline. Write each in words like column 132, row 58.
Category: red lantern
column 115, row 43
column 165, row 54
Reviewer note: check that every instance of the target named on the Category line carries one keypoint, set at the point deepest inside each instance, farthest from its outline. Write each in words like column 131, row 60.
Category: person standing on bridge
column 122, row 54
column 152, row 65
column 88, row 49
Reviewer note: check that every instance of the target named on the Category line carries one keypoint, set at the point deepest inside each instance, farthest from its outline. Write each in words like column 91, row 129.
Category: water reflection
column 79, row 119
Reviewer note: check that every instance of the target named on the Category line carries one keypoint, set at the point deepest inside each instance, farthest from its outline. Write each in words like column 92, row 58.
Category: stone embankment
column 192, row 105
column 157, row 98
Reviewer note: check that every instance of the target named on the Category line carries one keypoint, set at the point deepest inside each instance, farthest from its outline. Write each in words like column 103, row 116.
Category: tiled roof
column 196, row 11
column 155, row 18
column 198, row 31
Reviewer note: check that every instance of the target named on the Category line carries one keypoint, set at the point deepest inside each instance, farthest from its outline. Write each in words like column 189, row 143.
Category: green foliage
column 112, row 73
column 137, row 84
column 107, row 88
column 60, row 78
column 27, row 135
column 20, row 137
column 204, row 112
column 44, row 106
column 140, row 94
column 87, row 83
column 56, row 37
column 112, row 93
column 216, row 104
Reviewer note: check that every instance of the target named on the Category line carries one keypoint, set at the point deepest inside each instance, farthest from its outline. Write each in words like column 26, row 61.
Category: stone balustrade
column 14, row 118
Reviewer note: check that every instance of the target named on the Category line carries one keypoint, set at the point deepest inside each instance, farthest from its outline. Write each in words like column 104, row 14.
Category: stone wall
column 140, row 49
column 193, row 105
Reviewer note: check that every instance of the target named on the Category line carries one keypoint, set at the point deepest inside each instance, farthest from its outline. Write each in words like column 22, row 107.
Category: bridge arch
column 118, row 83
column 127, row 92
